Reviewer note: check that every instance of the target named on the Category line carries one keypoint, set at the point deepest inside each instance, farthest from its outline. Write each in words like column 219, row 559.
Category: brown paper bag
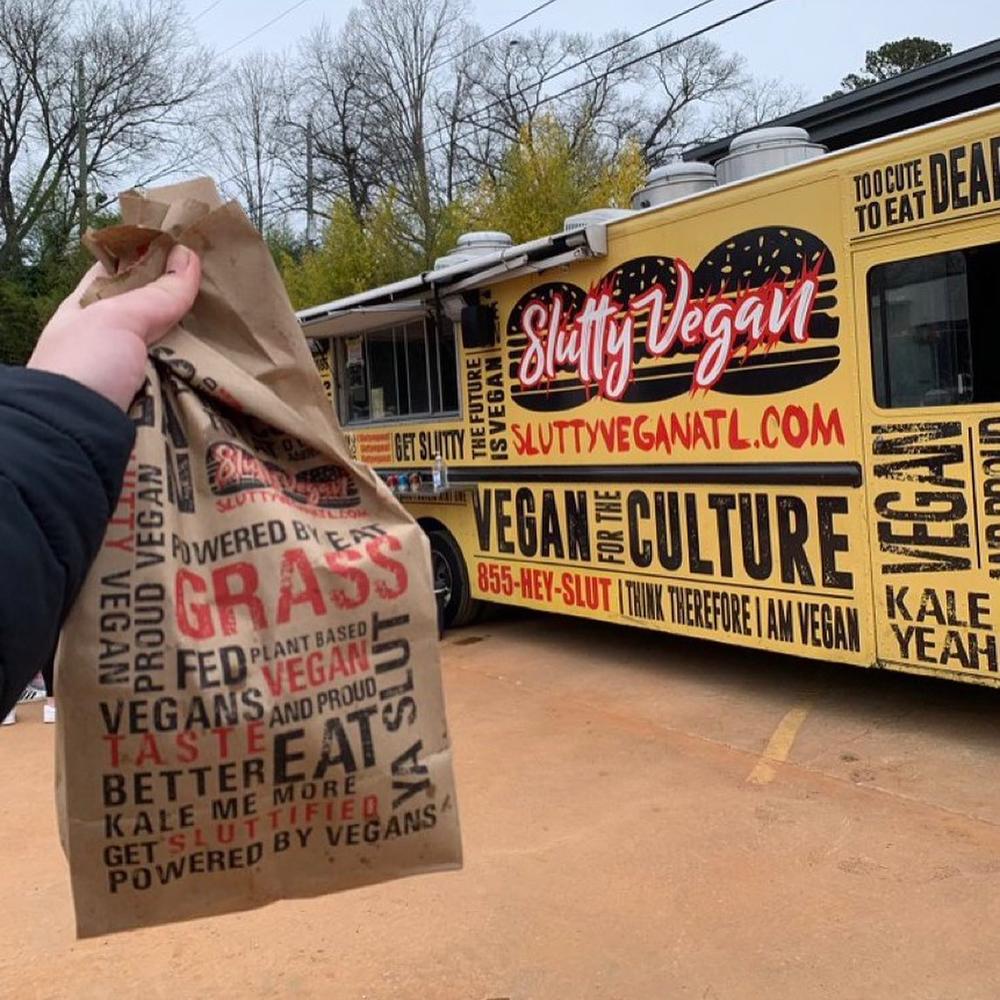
column 250, row 703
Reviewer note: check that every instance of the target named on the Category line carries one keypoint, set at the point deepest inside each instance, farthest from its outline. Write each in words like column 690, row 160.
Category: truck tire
column 452, row 575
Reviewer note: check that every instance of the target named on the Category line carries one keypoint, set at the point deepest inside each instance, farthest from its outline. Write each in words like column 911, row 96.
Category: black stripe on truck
column 694, row 474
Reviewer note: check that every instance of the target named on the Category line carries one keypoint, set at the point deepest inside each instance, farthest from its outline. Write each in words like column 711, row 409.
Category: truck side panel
column 923, row 223
column 684, row 434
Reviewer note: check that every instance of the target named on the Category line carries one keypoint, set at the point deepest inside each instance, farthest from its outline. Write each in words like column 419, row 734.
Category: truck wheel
column 452, row 576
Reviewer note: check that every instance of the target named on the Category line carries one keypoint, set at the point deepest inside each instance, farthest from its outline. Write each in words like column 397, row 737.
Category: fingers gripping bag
column 249, row 687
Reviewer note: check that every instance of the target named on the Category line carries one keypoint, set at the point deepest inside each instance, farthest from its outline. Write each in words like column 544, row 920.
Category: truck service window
column 401, row 371
column 934, row 329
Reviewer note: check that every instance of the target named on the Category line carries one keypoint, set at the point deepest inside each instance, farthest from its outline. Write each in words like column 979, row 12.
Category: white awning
column 519, row 267
column 358, row 319
column 370, row 309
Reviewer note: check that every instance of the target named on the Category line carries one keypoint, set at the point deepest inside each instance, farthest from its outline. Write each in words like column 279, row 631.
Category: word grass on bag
column 250, row 697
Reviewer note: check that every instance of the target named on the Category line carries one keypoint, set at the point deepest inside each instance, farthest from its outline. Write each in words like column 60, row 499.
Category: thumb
column 152, row 310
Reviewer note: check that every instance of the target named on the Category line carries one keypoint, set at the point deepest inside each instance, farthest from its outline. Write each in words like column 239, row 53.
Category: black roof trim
column 945, row 87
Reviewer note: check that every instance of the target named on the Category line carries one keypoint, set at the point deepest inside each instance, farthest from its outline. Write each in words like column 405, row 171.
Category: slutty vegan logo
column 655, row 327
column 597, row 342
column 234, row 469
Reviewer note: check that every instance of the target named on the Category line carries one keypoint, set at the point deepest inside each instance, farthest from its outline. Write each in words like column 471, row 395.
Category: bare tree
column 604, row 106
column 695, row 91
column 377, row 92
column 250, row 132
column 403, row 45
column 754, row 103
column 409, row 101
column 605, row 93
column 683, row 82
column 514, row 85
column 455, row 168
column 513, row 76
column 586, row 85
column 334, row 92
column 140, row 70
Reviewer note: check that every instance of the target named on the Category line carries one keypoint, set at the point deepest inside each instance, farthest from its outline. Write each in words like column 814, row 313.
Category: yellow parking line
column 779, row 745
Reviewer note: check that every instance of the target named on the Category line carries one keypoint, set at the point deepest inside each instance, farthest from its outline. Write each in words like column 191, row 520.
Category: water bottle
column 440, row 476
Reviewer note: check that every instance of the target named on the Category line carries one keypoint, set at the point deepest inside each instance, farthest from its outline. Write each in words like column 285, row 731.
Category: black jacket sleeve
column 63, row 452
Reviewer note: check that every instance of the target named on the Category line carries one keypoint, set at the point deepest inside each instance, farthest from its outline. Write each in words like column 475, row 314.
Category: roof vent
column 484, row 241
column 766, row 149
column 596, row 216
column 674, row 180
column 477, row 244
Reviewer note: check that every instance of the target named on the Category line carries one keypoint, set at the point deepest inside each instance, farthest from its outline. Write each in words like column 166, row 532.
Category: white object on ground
column 31, row 693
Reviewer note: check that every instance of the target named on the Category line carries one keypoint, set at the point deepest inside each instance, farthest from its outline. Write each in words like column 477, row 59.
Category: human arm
column 64, row 445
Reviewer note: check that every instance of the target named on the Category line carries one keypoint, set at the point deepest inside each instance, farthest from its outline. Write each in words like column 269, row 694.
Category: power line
column 236, row 44
column 471, row 46
column 586, row 59
column 247, row 38
column 263, row 27
column 493, row 34
column 629, row 63
column 743, row 12
column 590, row 81
column 207, row 10
column 479, row 41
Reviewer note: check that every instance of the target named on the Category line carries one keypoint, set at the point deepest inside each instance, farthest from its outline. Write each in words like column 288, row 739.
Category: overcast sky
column 809, row 43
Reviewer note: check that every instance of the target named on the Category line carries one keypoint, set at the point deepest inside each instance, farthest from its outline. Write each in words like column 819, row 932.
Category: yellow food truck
column 761, row 406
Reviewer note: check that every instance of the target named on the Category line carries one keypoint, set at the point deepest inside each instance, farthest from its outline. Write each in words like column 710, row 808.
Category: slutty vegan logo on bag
column 233, row 469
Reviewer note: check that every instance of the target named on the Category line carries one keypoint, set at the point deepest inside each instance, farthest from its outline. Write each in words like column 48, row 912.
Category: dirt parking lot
column 644, row 817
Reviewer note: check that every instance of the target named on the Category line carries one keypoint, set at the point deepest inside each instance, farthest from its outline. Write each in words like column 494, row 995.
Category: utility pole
column 81, row 139
column 309, row 180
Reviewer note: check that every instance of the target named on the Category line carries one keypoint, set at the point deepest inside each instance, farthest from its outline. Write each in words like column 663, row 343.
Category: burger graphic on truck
column 655, row 328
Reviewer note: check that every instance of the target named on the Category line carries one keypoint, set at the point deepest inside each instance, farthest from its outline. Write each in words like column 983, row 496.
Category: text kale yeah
column 596, row 341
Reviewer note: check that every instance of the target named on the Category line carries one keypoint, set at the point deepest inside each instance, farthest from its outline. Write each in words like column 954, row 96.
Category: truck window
column 401, row 371
column 935, row 329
